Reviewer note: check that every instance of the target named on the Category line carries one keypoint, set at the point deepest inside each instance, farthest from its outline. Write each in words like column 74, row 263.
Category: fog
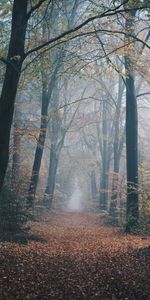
column 75, row 201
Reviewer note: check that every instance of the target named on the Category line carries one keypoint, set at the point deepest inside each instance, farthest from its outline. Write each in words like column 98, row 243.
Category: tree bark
column 132, row 213
column 13, row 69
column 93, row 184
column 47, row 90
column 43, row 128
column 49, row 191
column 105, row 160
column 16, row 147
column 58, row 134
column 39, row 148
column 117, row 150
column 54, row 153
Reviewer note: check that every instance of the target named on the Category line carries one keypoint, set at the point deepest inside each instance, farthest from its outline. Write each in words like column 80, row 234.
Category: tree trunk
column 39, row 148
column 104, row 187
column 105, row 161
column 16, row 148
column 46, row 99
column 49, row 191
column 13, row 69
column 53, row 161
column 93, row 185
column 132, row 212
column 132, row 155
column 56, row 146
column 47, row 90
column 117, row 146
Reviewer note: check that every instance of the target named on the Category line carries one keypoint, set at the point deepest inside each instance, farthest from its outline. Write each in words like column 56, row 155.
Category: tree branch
column 142, row 94
column 33, row 8
column 107, row 13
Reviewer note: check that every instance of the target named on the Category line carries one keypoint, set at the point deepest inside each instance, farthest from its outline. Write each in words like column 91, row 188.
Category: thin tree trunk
column 132, row 212
column 56, row 127
column 93, row 185
column 49, row 191
column 47, row 90
column 104, row 187
column 132, row 155
column 16, row 148
column 57, row 141
column 13, row 69
column 53, row 161
column 116, row 150
column 104, row 172
column 39, row 148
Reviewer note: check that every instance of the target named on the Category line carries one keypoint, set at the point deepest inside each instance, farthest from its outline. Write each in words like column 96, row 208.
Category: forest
column 74, row 149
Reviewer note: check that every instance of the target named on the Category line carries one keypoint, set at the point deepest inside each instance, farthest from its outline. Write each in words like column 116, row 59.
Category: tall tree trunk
column 13, row 69
column 93, row 184
column 104, row 186
column 16, row 147
column 131, row 133
column 56, row 145
column 105, row 161
column 49, row 191
column 58, row 133
column 117, row 150
column 53, row 161
column 47, row 89
column 39, row 148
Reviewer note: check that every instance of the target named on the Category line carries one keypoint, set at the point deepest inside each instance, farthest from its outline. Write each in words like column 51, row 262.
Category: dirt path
column 79, row 258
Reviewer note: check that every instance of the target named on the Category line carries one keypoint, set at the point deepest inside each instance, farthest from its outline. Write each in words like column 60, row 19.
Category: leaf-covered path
column 78, row 257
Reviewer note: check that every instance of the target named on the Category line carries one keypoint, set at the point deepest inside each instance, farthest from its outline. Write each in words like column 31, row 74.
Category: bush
column 145, row 214
column 13, row 212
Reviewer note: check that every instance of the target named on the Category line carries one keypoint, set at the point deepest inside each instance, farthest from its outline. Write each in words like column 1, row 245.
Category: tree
column 47, row 89
column 131, row 130
column 59, row 127
column 16, row 145
column 118, row 143
column 55, row 129
column 13, row 69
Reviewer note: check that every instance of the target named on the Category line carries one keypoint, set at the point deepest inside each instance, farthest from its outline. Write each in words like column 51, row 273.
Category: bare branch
column 143, row 94
column 107, row 13
column 35, row 7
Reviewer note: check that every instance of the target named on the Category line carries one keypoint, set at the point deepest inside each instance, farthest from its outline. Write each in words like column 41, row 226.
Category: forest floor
column 75, row 257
